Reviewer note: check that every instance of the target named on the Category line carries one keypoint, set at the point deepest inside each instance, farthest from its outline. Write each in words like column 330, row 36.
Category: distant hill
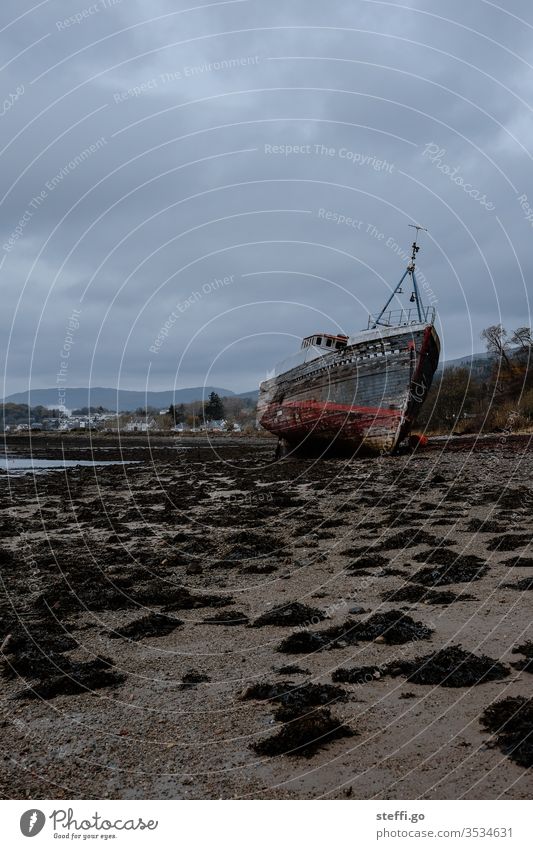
column 111, row 399
column 253, row 394
column 479, row 364
column 469, row 358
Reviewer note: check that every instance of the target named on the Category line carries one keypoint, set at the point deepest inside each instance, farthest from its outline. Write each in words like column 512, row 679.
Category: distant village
column 222, row 415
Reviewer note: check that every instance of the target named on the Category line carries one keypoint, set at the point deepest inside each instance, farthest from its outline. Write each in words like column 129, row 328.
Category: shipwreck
column 363, row 391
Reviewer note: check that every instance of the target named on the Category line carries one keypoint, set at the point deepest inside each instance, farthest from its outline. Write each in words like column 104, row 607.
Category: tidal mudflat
column 207, row 623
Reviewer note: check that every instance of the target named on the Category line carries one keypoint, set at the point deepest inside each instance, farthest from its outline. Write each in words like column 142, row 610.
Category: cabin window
column 328, row 343
column 319, row 340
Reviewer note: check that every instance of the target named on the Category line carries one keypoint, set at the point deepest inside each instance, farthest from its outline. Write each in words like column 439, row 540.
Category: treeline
column 462, row 401
column 15, row 414
column 91, row 411
column 232, row 410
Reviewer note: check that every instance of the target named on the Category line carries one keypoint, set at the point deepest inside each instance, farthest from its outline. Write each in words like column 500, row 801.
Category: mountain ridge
column 128, row 399
column 132, row 399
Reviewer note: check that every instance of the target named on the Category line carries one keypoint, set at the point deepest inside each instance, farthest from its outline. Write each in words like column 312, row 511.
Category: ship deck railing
column 402, row 318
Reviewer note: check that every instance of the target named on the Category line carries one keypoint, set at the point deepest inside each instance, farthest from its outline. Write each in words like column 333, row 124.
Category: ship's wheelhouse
column 325, row 340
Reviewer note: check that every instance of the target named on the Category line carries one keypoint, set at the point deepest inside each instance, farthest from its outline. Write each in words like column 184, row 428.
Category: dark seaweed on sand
column 191, row 678
column 291, row 669
column 292, row 613
column 446, row 557
column 525, row 665
column 35, row 653
column 508, row 542
column 38, row 656
column 304, row 642
column 524, row 562
column 305, row 735
column 227, row 617
column 408, row 538
column 522, row 585
column 367, row 561
column 450, row 667
column 486, row 526
column 259, row 568
column 524, row 648
column 118, row 591
column 74, row 678
column 295, row 699
column 333, row 523
column 393, row 627
column 459, row 573
column 357, row 675
column 418, row 593
column 151, row 625
column 180, row 598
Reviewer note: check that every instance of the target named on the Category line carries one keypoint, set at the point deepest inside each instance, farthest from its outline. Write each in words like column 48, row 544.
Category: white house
column 140, row 425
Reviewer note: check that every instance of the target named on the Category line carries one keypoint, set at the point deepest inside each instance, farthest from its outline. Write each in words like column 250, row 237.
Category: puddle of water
column 123, row 447
column 25, row 465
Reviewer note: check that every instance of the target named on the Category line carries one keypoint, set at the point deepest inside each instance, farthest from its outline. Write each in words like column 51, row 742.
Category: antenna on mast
column 415, row 246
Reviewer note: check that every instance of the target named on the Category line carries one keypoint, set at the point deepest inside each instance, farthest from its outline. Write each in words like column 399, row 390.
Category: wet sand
column 140, row 604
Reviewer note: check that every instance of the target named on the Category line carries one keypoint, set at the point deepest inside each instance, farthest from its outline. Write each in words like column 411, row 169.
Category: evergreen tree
column 177, row 413
column 213, row 408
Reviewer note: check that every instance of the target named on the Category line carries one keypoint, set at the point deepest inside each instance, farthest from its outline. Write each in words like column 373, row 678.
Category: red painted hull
column 367, row 394
column 323, row 420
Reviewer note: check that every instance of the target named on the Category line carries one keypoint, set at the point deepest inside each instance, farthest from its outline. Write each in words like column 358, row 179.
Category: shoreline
column 133, row 597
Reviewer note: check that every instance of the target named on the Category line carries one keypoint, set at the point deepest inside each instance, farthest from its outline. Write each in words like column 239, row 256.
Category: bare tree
column 522, row 337
column 496, row 341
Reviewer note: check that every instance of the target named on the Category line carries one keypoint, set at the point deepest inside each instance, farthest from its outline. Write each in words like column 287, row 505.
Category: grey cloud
column 379, row 81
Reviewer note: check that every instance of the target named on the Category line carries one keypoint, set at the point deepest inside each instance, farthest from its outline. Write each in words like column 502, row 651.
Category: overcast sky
column 168, row 168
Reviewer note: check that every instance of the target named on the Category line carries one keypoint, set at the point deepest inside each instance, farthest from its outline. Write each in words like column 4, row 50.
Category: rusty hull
column 366, row 395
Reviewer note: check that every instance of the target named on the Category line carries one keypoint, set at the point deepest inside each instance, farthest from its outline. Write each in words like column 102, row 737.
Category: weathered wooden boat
column 356, row 392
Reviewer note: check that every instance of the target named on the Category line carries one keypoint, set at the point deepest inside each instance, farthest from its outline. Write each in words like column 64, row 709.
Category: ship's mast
column 410, row 270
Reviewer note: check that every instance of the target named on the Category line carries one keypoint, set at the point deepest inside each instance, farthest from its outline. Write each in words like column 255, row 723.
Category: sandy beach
column 204, row 623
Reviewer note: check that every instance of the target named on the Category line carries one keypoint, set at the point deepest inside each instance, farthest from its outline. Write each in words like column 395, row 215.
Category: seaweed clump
column 293, row 613
column 357, row 674
column 227, row 617
column 74, row 678
column 526, row 649
column 191, row 678
column 305, row 735
column 392, row 627
column 456, row 573
column 511, row 721
column 508, row 542
column 39, row 658
column 522, row 585
column 450, row 667
column 295, row 700
column 367, row 562
column 408, row 538
column 419, row 593
column 304, row 642
column 152, row 625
